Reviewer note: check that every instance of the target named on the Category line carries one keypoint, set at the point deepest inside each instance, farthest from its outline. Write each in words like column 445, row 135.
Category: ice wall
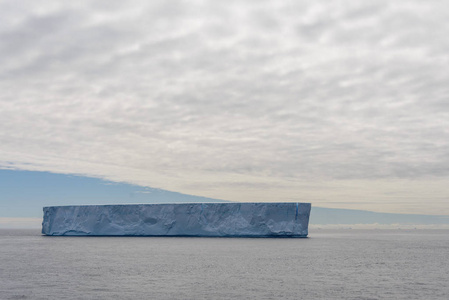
column 186, row 219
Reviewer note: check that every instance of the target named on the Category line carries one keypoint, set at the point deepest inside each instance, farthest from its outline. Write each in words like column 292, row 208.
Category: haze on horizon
column 343, row 104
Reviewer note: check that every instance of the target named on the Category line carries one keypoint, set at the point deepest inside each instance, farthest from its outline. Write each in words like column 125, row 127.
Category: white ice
column 191, row 219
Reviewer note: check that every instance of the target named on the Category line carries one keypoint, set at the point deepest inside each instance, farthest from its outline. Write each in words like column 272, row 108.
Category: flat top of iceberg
column 184, row 203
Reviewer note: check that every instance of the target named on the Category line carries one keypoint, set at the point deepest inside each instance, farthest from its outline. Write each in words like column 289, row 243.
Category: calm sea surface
column 330, row 264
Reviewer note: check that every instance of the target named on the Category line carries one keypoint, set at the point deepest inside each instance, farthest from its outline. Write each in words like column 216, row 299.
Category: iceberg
column 184, row 219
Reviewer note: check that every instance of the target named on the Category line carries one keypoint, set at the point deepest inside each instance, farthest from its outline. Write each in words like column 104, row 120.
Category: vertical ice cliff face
column 187, row 219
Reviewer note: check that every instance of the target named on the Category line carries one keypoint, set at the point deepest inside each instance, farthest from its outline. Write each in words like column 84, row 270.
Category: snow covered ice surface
column 186, row 219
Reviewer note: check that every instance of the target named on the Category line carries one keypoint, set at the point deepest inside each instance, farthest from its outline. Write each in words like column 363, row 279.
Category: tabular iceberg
column 186, row 219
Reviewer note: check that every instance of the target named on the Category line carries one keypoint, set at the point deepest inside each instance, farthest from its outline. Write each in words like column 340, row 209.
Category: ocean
column 330, row 264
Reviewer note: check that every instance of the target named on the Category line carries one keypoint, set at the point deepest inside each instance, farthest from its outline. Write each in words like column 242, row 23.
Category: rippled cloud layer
column 344, row 104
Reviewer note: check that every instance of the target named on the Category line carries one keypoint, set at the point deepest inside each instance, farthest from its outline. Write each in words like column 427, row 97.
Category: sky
column 25, row 193
column 344, row 104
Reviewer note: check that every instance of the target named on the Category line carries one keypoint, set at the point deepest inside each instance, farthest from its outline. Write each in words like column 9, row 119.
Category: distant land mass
column 328, row 216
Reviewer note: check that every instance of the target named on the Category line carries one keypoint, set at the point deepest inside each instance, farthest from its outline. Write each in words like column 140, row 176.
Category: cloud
column 258, row 99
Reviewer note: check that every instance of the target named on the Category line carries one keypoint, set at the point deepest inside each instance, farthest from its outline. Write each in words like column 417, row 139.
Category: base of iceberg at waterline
column 185, row 219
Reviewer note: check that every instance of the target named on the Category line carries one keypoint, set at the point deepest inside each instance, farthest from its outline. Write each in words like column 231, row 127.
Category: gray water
column 330, row 264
